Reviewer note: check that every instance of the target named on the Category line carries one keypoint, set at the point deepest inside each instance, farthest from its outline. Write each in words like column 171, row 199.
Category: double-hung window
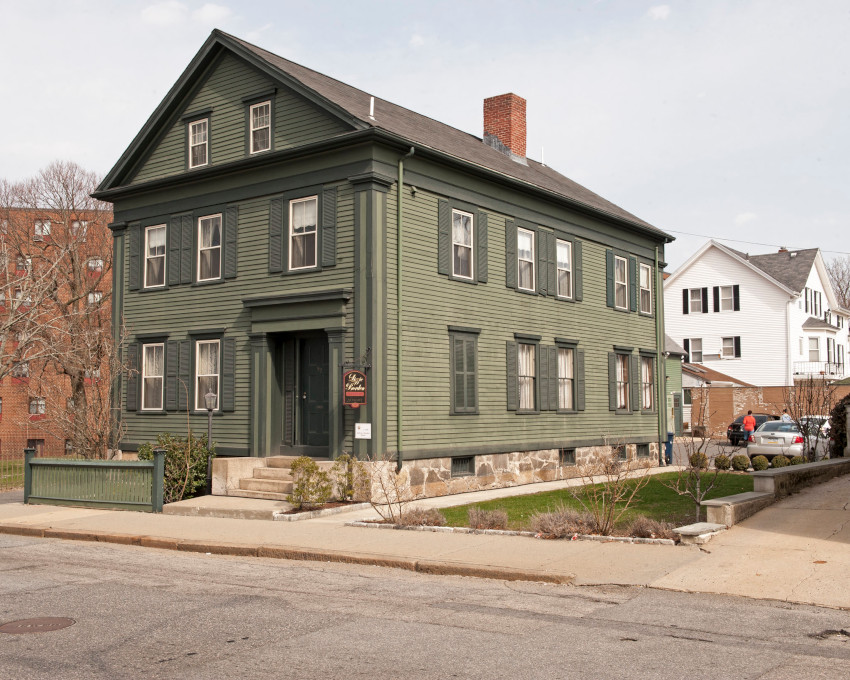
column 645, row 289
column 206, row 372
column 566, row 379
column 37, row 406
column 731, row 347
column 814, row 349
column 525, row 259
column 79, row 229
column 209, row 248
column 695, row 350
column 154, row 256
column 199, row 143
column 647, row 383
column 42, row 230
column 260, row 116
column 303, row 232
column 727, row 299
column 153, row 371
column 565, row 268
column 622, row 382
column 462, row 244
column 695, row 297
column 621, row 286
column 95, row 297
column 527, row 376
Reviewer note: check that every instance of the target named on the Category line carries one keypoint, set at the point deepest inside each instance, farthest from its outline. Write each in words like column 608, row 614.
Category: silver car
column 776, row 438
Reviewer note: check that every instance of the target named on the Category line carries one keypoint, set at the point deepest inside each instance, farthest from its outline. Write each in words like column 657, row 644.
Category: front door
column 314, row 391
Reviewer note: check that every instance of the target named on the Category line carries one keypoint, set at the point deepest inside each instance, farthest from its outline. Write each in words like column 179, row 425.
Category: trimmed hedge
column 760, row 463
column 741, row 462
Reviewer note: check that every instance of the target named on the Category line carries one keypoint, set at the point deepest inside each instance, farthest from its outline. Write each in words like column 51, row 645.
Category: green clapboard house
column 276, row 228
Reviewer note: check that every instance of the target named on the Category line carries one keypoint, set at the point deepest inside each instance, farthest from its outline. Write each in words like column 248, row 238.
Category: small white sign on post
column 362, row 430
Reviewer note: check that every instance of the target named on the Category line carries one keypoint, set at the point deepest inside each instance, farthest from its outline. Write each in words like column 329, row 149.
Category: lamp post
column 210, row 399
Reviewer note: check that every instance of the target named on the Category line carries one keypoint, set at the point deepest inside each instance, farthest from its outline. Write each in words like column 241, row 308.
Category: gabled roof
column 815, row 324
column 709, row 375
column 672, row 347
column 353, row 105
column 791, row 268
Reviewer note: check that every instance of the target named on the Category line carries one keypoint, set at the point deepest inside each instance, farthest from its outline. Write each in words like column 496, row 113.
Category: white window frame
column 315, row 233
column 814, row 346
column 621, row 285
column 267, row 126
column 199, row 139
column 727, row 298
column 456, row 245
column 645, row 270
column 566, row 379
column 727, row 348
column 23, row 263
column 622, row 379
column 79, row 230
column 695, row 303
column 149, row 257
column 39, row 404
column 694, row 351
column 41, row 230
column 521, row 261
column 647, row 383
column 527, row 381
column 94, row 297
column 200, row 402
column 210, row 249
column 95, row 265
column 567, row 269
column 153, row 377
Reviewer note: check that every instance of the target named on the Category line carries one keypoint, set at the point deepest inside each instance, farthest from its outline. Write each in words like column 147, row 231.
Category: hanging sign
column 353, row 388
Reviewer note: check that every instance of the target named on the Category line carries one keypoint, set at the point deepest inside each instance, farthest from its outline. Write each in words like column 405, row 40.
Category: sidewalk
column 796, row 550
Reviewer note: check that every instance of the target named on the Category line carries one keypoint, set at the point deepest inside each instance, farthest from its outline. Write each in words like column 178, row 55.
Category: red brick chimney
column 504, row 120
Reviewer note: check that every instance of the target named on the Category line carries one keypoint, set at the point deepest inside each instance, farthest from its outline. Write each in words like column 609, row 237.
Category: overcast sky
column 707, row 118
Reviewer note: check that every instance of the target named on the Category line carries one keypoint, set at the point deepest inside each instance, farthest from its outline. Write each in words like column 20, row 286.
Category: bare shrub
column 389, row 488
column 487, row 519
column 561, row 522
column 422, row 517
column 645, row 527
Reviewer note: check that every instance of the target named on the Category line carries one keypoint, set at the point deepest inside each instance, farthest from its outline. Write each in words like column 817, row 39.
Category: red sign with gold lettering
column 353, row 388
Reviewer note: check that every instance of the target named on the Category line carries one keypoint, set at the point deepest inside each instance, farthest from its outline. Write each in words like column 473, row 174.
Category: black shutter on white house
column 685, row 301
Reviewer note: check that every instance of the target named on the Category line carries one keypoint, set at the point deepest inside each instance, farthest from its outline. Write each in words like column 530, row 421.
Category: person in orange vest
column 749, row 425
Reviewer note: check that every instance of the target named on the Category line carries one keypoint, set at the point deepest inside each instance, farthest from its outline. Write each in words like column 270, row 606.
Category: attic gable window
column 261, row 127
column 198, row 143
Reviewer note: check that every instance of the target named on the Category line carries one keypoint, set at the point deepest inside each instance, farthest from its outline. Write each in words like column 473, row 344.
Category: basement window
column 463, row 467
column 566, row 457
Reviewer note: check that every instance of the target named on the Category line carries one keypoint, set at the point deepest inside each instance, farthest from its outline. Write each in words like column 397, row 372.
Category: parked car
column 776, row 437
column 735, row 431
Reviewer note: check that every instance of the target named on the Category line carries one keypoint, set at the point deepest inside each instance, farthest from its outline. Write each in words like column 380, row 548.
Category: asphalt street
column 164, row 614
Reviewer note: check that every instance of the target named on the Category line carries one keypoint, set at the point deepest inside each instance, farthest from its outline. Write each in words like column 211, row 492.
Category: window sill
column 302, row 270
column 465, row 413
column 565, row 299
column 462, row 279
column 208, row 282
column 151, row 412
column 527, row 412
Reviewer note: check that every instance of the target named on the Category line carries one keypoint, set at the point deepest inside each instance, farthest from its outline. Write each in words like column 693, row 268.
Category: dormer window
column 198, row 143
column 260, row 117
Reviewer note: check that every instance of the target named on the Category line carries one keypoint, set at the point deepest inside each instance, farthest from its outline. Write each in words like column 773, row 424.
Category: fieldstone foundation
column 431, row 477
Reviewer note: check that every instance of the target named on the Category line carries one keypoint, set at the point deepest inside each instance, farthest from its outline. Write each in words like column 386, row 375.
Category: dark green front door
column 314, row 391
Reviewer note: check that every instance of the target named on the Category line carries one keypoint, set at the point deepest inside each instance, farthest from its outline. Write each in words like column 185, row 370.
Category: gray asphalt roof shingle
column 439, row 136
column 790, row 268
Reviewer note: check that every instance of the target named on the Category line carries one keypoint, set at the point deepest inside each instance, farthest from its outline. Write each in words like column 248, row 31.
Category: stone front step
column 279, row 474
column 286, row 462
column 265, row 495
column 267, row 485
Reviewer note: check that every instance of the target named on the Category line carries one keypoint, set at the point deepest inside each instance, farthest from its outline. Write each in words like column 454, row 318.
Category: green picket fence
column 119, row 484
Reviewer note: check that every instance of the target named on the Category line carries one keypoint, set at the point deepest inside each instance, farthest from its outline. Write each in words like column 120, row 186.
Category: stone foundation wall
column 431, row 477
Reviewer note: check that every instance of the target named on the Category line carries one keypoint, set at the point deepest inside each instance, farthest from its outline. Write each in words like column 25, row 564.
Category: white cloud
column 659, row 12
column 212, row 14
column 168, row 13
column 416, row 40
column 744, row 217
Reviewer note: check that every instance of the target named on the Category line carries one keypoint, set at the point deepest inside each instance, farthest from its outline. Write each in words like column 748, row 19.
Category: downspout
column 662, row 360
column 399, row 426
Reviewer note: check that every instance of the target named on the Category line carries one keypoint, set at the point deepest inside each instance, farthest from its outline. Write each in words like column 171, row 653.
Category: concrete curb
column 434, row 567
column 499, row 532
column 312, row 514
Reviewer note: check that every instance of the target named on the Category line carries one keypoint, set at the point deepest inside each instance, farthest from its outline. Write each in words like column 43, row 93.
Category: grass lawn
column 11, row 474
column 655, row 501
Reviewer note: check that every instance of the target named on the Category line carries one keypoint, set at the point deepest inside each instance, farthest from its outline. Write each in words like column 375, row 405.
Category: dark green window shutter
column 228, row 368
column 686, row 307
column 464, row 375
column 686, row 343
column 187, row 251
column 184, row 373
column 609, row 278
column 612, row 381
column 577, row 268
column 329, row 227
column 553, row 379
column 481, row 236
column 171, row 385
column 512, row 379
column 284, row 241
column 634, row 382
column 542, row 247
column 510, row 255
column 552, row 266
column 174, row 239
column 633, row 284
column 275, row 235
column 736, row 298
column 705, row 300
column 543, row 382
column 231, row 255
column 716, row 295
column 133, row 379
column 737, row 341
column 135, row 254
column 288, row 392
column 444, row 238
column 471, row 374
column 579, row 380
